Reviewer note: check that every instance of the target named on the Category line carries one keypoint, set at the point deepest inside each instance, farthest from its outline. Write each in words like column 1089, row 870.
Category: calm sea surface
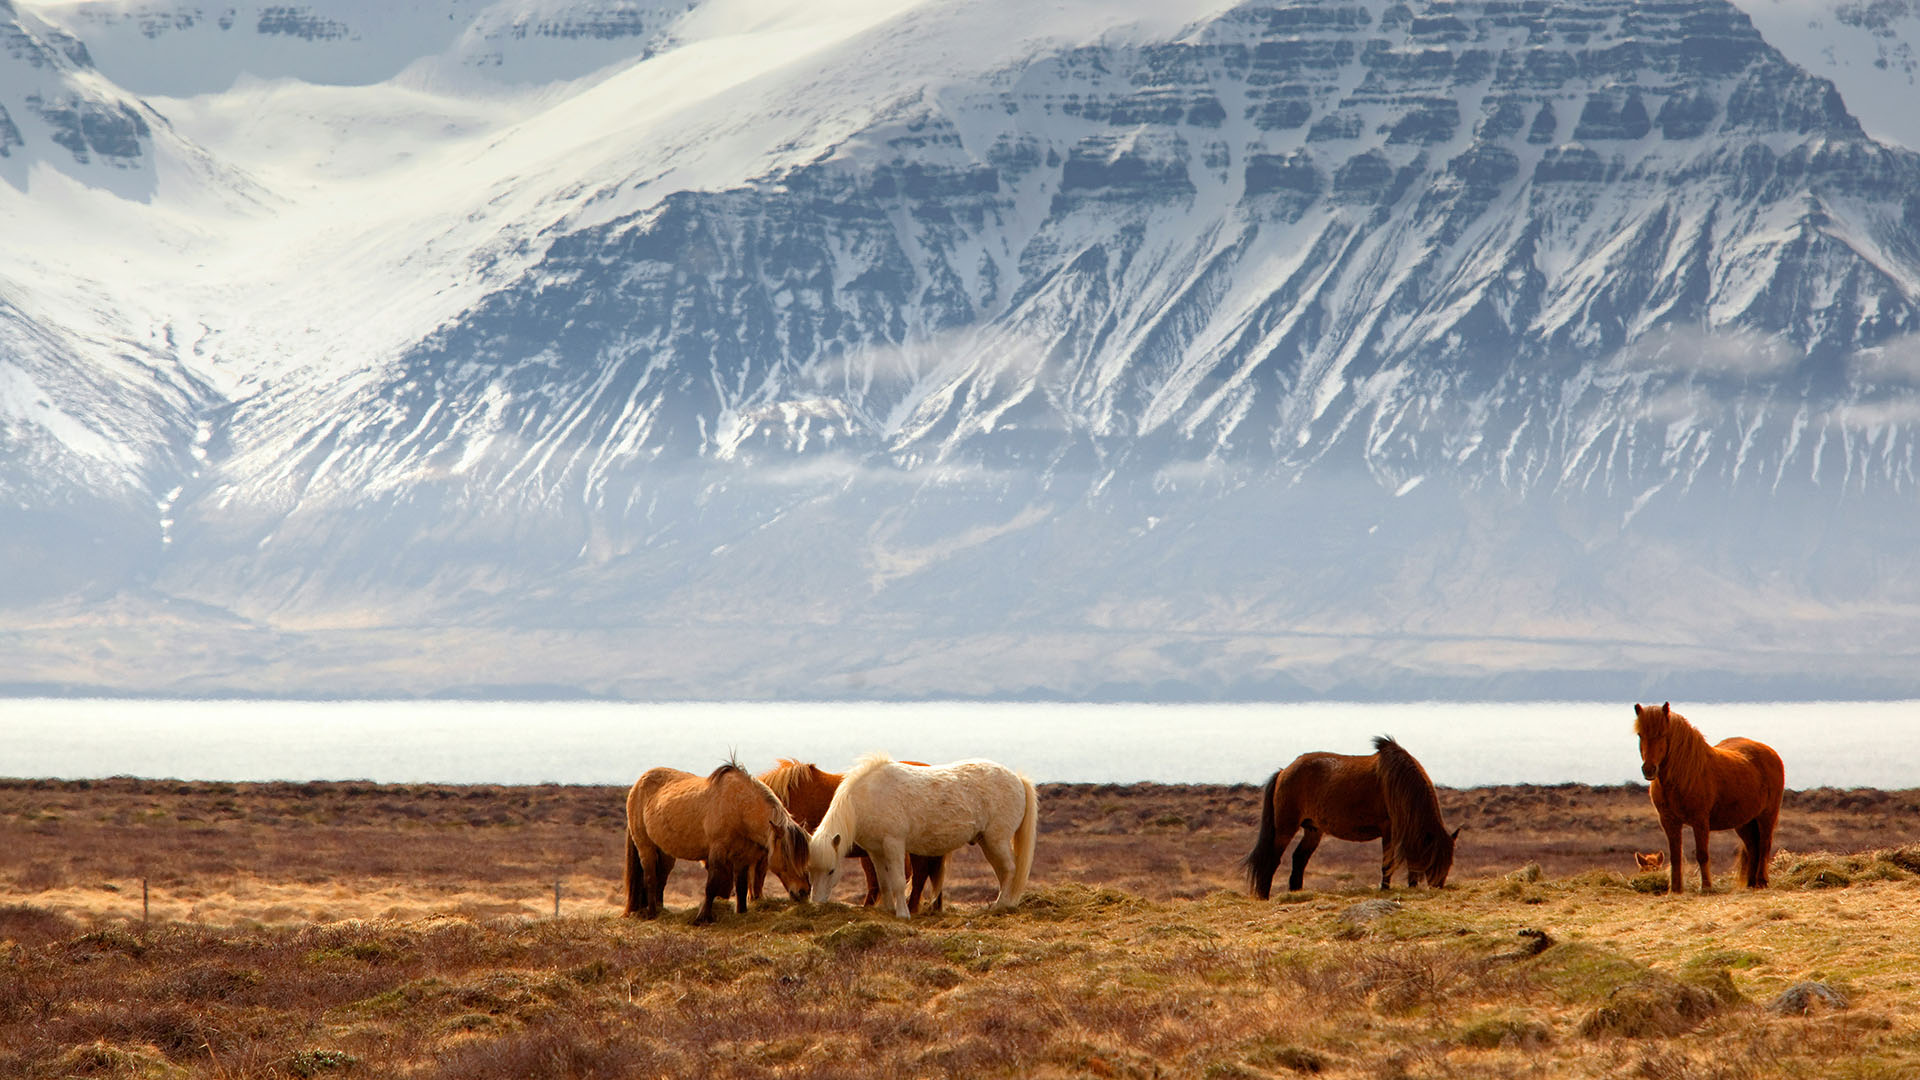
column 1847, row 744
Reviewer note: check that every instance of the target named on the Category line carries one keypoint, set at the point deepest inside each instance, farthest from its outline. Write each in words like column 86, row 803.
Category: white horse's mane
column 841, row 816
column 865, row 764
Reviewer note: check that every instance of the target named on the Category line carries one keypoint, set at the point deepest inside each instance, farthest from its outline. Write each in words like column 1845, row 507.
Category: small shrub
column 31, row 925
column 854, row 937
column 309, row 1063
column 1295, row 1058
column 1905, row 858
column 1653, row 882
column 1491, row 1034
column 1655, row 1006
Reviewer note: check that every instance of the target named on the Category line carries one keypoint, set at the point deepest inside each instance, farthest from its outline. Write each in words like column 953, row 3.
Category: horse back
column 1749, row 780
column 1339, row 793
column 937, row 808
column 670, row 808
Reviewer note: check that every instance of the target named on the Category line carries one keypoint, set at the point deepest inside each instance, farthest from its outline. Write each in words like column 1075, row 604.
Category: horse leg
column 1763, row 858
column 873, row 880
column 657, row 882
column 1702, row 836
column 759, row 876
column 1309, row 839
column 719, row 884
column 917, row 869
column 1387, row 860
column 890, row 867
column 1749, row 853
column 636, row 880
column 999, row 853
column 741, row 882
column 1676, row 862
column 937, row 877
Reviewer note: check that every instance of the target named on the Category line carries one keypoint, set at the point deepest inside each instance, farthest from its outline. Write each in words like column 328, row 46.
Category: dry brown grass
column 366, row 931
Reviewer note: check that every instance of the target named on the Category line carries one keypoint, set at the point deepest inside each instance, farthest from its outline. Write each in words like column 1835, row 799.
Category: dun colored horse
column 1384, row 795
column 728, row 820
column 1735, row 784
column 807, row 790
column 891, row 809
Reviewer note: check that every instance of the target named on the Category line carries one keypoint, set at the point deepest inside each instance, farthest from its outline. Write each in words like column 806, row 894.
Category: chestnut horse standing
column 1384, row 795
column 807, row 790
column 729, row 820
column 1735, row 784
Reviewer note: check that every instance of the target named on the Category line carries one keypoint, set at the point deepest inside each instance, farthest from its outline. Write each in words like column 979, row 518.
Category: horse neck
column 841, row 818
column 1688, row 755
column 1413, row 808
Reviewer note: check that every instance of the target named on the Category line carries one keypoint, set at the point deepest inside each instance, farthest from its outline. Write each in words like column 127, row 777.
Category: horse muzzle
column 1647, row 770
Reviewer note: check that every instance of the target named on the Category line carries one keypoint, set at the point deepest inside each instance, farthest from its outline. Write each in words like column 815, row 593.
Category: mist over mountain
column 934, row 348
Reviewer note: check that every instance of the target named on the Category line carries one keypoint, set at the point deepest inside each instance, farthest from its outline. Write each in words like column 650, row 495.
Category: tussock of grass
column 1653, row 1006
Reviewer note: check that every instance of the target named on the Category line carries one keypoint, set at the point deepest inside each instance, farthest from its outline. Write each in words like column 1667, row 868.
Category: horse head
column 787, row 856
column 824, row 856
column 1440, row 861
column 1652, row 726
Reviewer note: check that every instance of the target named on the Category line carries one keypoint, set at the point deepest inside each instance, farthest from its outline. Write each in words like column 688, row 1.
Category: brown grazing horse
column 1735, row 784
column 807, row 790
column 1384, row 795
column 728, row 820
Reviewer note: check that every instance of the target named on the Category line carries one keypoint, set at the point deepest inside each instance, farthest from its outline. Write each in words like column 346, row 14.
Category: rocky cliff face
column 1474, row 332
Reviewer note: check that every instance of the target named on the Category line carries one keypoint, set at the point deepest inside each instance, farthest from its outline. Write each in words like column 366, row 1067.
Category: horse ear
column 1456, row 832
column 1666, row 711
column 1639, row 709
column 836, row 842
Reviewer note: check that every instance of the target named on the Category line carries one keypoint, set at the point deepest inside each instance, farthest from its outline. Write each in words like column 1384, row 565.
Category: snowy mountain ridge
column 498, row 310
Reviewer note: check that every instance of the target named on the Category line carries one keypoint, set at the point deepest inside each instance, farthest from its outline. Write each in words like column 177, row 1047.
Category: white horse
column 891, row 809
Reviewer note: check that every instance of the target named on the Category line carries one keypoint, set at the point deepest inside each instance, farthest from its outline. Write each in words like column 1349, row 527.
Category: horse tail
column 1024, row 840
column 1264, row 859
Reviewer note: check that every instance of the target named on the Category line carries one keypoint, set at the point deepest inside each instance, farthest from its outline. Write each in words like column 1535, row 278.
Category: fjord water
column 1847, row 744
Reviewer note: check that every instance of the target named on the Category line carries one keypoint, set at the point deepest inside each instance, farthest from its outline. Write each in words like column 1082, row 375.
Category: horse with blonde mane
column 1734, row 784
column 728, row 819
column 807, row 790
column 1385, row 795
column 892, row 810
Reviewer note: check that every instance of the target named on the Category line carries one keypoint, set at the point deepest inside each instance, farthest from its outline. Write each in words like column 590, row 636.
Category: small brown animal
column 1652, row 860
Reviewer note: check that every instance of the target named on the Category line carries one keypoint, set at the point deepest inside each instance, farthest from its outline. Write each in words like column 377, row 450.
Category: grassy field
column 359, row 930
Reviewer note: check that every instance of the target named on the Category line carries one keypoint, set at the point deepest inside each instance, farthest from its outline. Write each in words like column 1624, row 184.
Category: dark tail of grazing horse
column 1264, row 859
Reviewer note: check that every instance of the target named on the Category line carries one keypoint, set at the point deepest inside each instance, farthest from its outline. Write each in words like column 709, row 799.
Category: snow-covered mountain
column 751, row 348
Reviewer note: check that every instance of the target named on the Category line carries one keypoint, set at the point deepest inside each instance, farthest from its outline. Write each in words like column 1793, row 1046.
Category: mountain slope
column 1311, row 333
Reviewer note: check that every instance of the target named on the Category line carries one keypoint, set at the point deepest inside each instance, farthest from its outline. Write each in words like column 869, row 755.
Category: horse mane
column 782, row 777
column 1689, row 757
column 841, row 816
column 865, row 764
column 780, row 816
column 1413, row 809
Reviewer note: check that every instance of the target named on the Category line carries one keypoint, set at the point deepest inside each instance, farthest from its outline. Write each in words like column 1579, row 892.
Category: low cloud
column 1877, row 415
column 1722, row 353
column 1897, row 361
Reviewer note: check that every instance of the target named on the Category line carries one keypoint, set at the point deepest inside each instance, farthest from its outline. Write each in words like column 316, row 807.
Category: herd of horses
column 900, row 820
